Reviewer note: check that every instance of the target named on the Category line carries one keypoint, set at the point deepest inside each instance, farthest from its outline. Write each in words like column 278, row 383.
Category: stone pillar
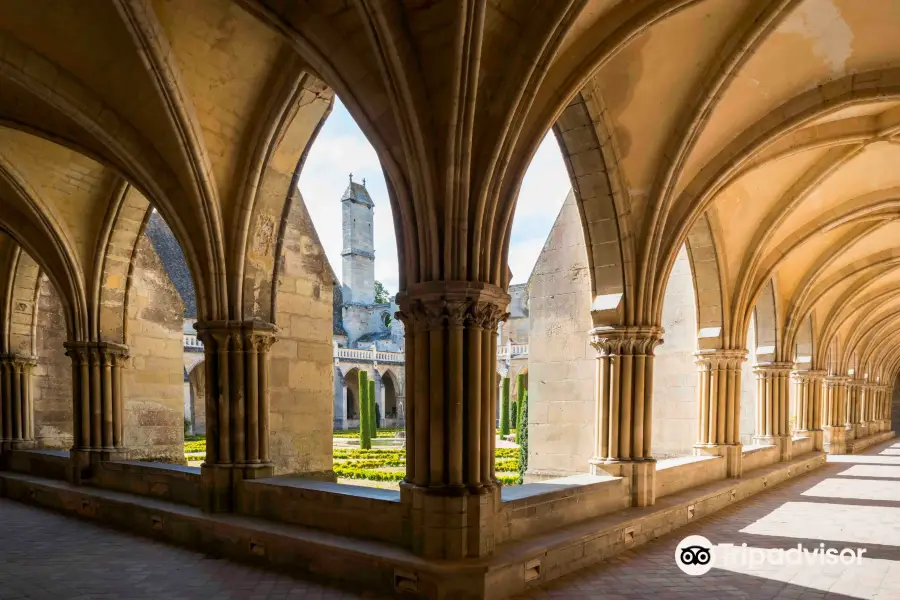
column 855, row 392
column 834, row 390
column 865, row 398
column 237, row 408
column 772, row 406
column 719, row 406
column 884, row 407
column 625, row 407
column 16, row 402
column 450, row 495
column 808, row 411
column 99, row 421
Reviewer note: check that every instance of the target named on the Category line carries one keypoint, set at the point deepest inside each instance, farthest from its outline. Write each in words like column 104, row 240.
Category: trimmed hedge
column 372, row 475
column 385, row 432
column 506, row 453
column 198, row 446
column 507, row 464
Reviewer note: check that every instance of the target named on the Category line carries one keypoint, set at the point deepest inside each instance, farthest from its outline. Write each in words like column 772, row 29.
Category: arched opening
column 675, row 421
column 391, row 407
column 351, row 390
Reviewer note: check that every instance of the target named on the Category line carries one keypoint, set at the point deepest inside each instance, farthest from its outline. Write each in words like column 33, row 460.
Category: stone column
column 884, row 407
column 99, row 422
column 855, row 392
column 834, row 390
column 625, row 406
column 808, row 412
column 772, row 406
column 865, row 399
column 16, row 404
column 450, row 495
column 237, row 408
column 719, row 406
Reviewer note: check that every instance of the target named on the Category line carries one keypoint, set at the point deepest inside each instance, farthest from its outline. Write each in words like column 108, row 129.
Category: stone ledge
column 173, row 483
column 53, row 464
column 349, row 510
column 801, row 444
column 860, row 444
column 548, row 505
column 676, row 474
column 758, row 456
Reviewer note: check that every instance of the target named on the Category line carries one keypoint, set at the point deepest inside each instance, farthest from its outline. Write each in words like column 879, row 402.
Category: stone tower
column 358, row 269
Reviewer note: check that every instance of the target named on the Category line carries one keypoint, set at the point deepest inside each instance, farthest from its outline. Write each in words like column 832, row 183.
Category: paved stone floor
column 853, row 502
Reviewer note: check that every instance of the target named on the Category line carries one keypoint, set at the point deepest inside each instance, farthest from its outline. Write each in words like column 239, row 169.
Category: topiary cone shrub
column 365, row 435
column 504, row 408
column 520, row 402
column 373, row 411
column 523, row 439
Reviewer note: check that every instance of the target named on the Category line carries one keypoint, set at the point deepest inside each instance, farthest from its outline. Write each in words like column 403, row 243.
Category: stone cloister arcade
column 762, row 136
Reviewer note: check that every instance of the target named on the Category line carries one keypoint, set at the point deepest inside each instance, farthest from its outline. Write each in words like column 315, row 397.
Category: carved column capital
column 807, row 375
column 773, row 368
column 240, row 333
column 637, row 340
column 720, row 358
column 430, row 306
column 835, row 380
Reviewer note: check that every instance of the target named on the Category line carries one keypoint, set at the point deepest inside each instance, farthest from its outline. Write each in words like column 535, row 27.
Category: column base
column 835, row 439
column 221, row 484
column 785, row 444
column 733, row 454
column 852, row 431
column 641, row 476
column 449, row 522
column 82, row 461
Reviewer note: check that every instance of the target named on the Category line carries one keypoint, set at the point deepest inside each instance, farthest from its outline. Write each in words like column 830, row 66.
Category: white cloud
column 341, row 149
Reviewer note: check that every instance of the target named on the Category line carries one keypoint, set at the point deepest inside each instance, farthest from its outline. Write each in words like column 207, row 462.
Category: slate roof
column 374, row 336
column 169, row 251
column 357, row 192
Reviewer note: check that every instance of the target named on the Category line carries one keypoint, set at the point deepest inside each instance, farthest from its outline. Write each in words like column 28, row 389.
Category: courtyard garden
column 380, row 466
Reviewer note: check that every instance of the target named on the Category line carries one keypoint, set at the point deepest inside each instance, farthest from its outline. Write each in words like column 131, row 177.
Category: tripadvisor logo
column 696, row 555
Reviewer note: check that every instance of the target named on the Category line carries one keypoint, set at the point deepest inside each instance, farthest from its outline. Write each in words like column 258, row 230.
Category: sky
column 341, row 149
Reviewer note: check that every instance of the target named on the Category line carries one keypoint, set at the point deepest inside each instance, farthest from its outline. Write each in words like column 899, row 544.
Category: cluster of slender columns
column 772, row 408
column 834, row 409
column 98, row 407
column 16, row 405
column 856, row 392
column 237, row 407
column 808, row 407
column 450, row 495
column 625, row 406
column 718, row 405
column 877, row 407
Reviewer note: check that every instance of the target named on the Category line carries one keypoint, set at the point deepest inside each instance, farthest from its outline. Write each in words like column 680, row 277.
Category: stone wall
column 198, row 398
column 674, row 372
column 52, row 382
column 561, row 360
column 153, row 382
column 301, row 373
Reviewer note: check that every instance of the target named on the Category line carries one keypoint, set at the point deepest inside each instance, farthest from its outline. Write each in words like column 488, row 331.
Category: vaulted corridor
column 853, row 501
